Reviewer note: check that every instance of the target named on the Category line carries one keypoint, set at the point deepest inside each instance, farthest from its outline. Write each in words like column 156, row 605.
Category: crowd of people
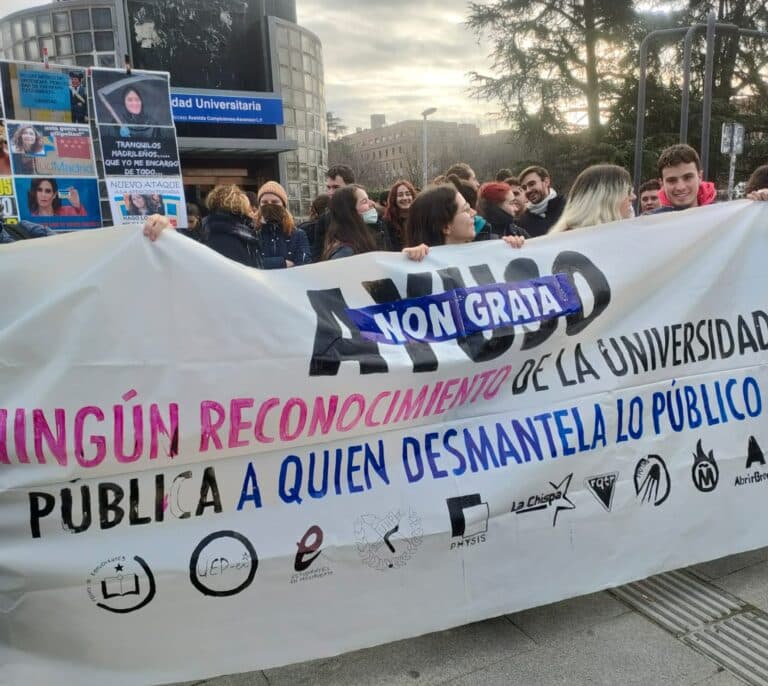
column 258, row 229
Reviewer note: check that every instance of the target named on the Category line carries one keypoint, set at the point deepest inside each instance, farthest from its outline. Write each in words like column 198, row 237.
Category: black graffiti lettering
column 417, row 285
column 330, row 348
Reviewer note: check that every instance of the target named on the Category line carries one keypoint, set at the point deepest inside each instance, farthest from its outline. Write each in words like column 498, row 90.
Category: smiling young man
column 682, row 185
column 544, row 204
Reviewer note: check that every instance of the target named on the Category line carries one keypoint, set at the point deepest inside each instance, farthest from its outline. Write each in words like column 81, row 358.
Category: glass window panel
column 301, row 118
column 60, row 21
column 301, row 136
column 30, row 27
column 81, row 20
column 293, row 190
column 294, row 39
column 296, row 62
column 290, row 132
column 308, row 101
column 43, row 24
column 307, row 62
column 304, row 172
column 105, row 40
column 282, row 36
column 289, row 115
column 84, row 60
column 284, row 56
column 107, row 59
column 18, row 51
column 293, row 171
column 307, row 44
column 18, row 34
column 285, row 76
column 64, row 60
column 302, row 155
column 307, row 82
column 102, row 17
column 83, row 42
column 5, row 32
column 33, row 53
column 297, row 79
column 63, row 45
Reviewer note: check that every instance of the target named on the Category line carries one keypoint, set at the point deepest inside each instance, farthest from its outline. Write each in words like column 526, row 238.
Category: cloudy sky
column 394, row 57
column 398, row 57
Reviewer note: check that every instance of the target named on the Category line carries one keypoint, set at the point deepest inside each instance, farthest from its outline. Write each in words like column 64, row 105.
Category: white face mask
column 370, row 216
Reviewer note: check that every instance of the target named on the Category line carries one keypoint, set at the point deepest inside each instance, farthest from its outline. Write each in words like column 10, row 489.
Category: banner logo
column 390, row 541
column 469, row 519
column 755, row 458
column 308, row 550
column 223, row 564
column 705, row 473
column 603, row 486
column 557, row 497
column 652, row 483
column 121, row 585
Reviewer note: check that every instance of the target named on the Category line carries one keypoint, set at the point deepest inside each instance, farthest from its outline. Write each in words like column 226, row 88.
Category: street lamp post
column 425, row 114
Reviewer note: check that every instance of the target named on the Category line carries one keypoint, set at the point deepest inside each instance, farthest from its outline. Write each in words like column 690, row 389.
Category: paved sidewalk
column 594, row 639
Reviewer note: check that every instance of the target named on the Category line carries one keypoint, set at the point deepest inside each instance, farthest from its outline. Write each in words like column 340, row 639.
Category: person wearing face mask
column 399, row 201
column 600, row 194
column 282, row 244
column 440, row 215
column 349, row 233
column 497, row 205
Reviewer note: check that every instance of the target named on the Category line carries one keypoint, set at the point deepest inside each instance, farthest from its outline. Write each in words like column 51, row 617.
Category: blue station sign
column 224, row 109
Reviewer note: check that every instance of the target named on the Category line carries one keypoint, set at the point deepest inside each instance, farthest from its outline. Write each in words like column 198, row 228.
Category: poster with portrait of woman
column 139, row 99
column 50, row 149
column 132, row 200
column 60, row 203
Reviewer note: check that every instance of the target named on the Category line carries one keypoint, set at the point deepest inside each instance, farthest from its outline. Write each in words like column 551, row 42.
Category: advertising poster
column 50, row 149
column 53, row 94
column 139, row 99
column 133, row 199
column 128, row 155
column 61, row 203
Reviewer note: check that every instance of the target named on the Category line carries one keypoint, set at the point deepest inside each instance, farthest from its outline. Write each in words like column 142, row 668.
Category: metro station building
column 245, row 60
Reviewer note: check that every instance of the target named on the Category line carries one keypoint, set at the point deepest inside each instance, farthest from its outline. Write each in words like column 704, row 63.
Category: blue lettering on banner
column 225, row 109
column 464, row 311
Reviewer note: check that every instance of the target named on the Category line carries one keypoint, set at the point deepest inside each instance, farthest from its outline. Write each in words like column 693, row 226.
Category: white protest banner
column 214, row 470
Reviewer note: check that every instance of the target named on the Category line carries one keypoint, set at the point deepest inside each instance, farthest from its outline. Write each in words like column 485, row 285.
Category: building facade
column 384, row 154
column 233, row 48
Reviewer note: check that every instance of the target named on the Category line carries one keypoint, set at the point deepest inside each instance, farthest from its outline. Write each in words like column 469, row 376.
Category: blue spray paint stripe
column 464, row 311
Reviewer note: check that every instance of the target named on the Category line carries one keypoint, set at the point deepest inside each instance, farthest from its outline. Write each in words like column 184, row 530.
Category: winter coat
column 315, row 231
column 10, row 233
column 537, row 225
column 277, row 247
column 231, row 236
column 501, row 224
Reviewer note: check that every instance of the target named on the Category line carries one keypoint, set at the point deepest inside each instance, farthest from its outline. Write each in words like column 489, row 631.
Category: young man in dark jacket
column 336, row 177
column 544, row 204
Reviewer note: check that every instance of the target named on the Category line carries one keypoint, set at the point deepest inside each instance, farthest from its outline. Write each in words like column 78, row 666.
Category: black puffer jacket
column 230, row 235
column 501, row 224
column 276, row 247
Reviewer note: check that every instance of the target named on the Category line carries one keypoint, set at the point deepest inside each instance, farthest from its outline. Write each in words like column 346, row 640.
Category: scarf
column 540, row 208
column 706, row 195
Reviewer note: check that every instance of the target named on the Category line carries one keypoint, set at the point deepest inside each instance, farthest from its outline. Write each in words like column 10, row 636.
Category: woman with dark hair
column 44, row 200
column 399, row 201
column 137, row 205
column 757, row 180
column 26, row 144
column 155, row 204
column 497, row 204
column 441, row 216
column 133, row 106
column 348, row 233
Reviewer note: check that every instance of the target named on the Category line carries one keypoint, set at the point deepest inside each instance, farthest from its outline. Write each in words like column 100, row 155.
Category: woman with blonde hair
column 600, row 194
column 228, row 226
